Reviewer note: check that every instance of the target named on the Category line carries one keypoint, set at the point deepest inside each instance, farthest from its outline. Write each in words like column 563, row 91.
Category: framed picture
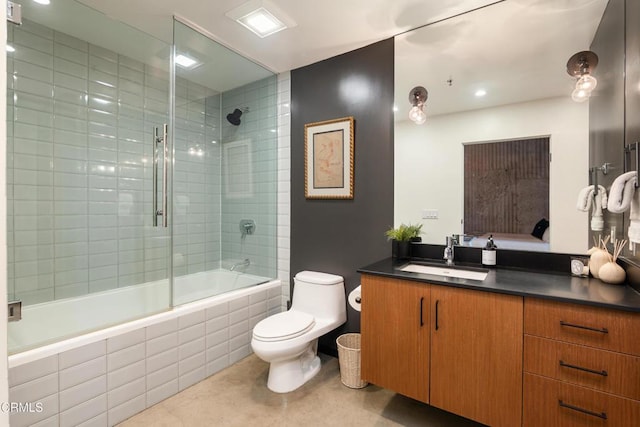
column 328, row 159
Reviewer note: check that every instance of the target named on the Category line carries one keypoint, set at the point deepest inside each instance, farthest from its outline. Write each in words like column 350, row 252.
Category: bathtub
column 61, row 319
column 109, row 374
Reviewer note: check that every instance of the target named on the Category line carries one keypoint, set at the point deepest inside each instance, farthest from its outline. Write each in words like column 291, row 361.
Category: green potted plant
column 402, row 237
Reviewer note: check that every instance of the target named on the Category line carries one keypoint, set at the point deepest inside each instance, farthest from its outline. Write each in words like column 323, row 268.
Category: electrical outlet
column 429, row 214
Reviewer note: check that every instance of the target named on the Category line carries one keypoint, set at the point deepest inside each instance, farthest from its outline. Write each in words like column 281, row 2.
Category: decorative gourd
column 599, row 257
column 611, row 272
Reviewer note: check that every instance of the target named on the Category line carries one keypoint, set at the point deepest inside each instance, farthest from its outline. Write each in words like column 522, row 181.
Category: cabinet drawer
column 581, row 324
column 552, row 403
column 603, row 370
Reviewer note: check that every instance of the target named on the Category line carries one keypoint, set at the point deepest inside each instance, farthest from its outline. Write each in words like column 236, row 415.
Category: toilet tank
column 319, row 294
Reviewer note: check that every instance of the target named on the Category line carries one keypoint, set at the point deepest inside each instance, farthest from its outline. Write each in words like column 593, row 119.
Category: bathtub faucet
column 246, row 263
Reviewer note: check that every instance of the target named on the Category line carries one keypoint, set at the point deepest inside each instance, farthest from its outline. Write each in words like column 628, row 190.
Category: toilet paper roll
column 355, row 298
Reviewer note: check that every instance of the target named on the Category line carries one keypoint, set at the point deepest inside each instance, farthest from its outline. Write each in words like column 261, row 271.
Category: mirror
column 517, row 52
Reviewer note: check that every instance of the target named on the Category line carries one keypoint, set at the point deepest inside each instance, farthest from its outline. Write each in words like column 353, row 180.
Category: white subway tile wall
column 78, row 167
column 79, row 151
column 284, row 187
column 108, row 381
column 254, row 198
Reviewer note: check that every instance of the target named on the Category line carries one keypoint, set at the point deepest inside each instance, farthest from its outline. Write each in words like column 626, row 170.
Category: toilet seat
column 283, row 326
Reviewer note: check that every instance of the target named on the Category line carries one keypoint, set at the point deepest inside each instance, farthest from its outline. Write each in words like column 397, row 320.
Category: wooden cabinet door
column 395, row 335
column 476, row 355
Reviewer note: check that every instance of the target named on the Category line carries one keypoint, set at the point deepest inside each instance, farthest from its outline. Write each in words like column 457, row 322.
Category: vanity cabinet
column 581, row 365
column 476, row 355
column 456, row 349
column 395, row 335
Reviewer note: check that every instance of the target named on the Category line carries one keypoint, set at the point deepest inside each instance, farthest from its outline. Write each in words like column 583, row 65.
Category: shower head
column 234, row 118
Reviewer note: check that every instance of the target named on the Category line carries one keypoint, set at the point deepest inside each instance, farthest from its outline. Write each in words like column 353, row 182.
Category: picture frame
column 329, row 158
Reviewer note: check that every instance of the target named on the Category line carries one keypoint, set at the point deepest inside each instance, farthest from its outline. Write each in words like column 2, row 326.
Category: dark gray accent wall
column 339, row 236
column 606, row 106
column 632, row 106
column 614, row 114
column 632, row 59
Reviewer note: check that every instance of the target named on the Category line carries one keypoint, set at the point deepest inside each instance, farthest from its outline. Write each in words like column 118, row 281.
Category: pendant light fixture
column 417, row 97
column 581, row 66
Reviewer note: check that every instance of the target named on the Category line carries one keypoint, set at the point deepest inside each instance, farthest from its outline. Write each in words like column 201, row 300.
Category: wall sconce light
column 417, row 97
column 581, row 65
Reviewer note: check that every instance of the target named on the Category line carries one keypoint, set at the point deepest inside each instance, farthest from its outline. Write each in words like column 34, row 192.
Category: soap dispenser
column 489, row 253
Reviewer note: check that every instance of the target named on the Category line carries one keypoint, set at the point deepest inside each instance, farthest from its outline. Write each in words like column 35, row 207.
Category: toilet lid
column 283, row 326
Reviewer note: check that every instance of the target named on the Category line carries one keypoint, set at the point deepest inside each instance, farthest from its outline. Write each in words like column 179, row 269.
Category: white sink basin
column 445, row 271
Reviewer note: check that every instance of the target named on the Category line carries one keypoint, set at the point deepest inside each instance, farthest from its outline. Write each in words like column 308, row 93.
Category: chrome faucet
column 448, row 250
column 246, row 263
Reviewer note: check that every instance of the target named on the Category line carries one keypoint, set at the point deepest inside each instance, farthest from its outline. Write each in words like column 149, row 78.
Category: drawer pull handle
column 421, row 319
column 588, row 328
column 437, row 324
column 602, row 415
column 580, row 368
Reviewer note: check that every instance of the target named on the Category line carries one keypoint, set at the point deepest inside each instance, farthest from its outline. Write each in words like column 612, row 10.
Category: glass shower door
column 82, row 105
column 224, row 183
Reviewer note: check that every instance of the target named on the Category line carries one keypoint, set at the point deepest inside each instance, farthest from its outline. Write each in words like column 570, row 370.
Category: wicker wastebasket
column 349, row 358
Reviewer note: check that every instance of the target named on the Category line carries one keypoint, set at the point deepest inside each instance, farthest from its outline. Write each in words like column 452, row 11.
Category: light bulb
column 416, row 115
column 586, row 82
column 580, row 95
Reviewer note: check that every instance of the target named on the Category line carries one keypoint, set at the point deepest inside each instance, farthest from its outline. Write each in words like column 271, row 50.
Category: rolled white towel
column 587, row 201
column 585, row 198
column 622, row 192
column 597, row 222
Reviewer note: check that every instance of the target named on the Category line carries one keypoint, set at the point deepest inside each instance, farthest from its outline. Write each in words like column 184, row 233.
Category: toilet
column 289, row 340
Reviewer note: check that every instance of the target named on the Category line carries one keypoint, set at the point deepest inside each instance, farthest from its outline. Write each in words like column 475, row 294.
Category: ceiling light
column 262, row 22
column 45, row 2
column 10, row 48
column 417, row 97
column 185, row 61
column 262, row 17
column 481, row 92
column 581, row 65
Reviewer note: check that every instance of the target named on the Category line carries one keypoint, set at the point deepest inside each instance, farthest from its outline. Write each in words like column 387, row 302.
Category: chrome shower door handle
column 165, row 175
column 157, row 139
column 155, row 176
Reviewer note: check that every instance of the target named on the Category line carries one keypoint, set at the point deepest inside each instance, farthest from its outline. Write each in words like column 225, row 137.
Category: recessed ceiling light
column 481, row 92
column 262, row 17
column 10, row 48
column 45, row 2
column 185, row 61
column 262, row 22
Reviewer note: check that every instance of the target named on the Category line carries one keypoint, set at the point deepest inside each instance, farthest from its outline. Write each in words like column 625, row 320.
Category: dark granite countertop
column 554, row 286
